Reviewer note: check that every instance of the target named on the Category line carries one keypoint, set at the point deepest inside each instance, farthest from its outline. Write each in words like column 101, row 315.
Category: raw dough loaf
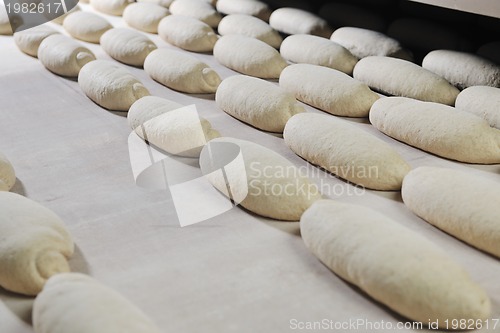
column 364, row 43
column 257, row 102
column 328, row 90
column 346, row 151
column 110, row 85
column 64, row 56
column 60, row 19
column 297, row 21
column 5, row 28
column 399, row 77
column 163, row 3
column 74, row 302
column 392, row 264
column 111, row 7
column 148, row 108
column 181, row 72
column 249, row 56
column 34, row 244
column 7, row 174
column 144, row 16
column 461, row 204
column 463, row 69
column 249, row 26
column 198, row 9
column 86, row 26
column 246, row 7
column 483, row 102
column 29, row 40
column 175, row 129
column 437, row 128
column 316, row 50
column 187, row 33
column 127, row 46
column 266, row 184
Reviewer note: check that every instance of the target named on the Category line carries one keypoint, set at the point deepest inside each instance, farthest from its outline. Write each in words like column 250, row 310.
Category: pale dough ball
column 364, row 43
column 293, row 21
column 347, row 15
column 60, row 20
column 316, row 50
column 490, row 51
column 148, row 108
column 399, row 77
column 29, row 40
column 198, row 9
column 257, row 102
column 391, row 263
column 127, row 46
column 110, row 85
column 5, row 28
column 246, row 7
column 111, row 7
column 175, row 129
column 7, row 174
column 35, row 244
column 249, row 26
column 482, row 101
column 249, row 56
column 260, row 180
column 459, row 203
column 328, row 90
column 144, row 16
column 163, row 3
column 74, row 302
column 438, row 129
column 181, row 71
column 86, row 26
column 463, row 69
column 346, row 151
column 187, row 33
column 64, row 56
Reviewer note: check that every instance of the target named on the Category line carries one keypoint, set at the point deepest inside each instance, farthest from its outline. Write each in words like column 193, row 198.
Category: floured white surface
column 234, row 272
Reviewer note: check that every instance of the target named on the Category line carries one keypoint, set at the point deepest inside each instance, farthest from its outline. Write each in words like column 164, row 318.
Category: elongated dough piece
column 110, row 85
column 178, row 131
column 64, row 56
column 148, row 108
column 7, row 174
column 392, row 264
column 60, row 19
column 111, row 7
column 29, row 40
column 249, row 26
column 145, row 16
column 249, row 56
column 257, row 102
column 86, row 26
column 346, row 151
column 35, row 244
column 483, row 102
column 265, row 183
column 182, row 72
column 5, row 28
column 399, row 77
column 293, row 21
column 437, row 128
column 246, row 7
column 316, row 50
column 461, row 204
column 198, row 9
column 88, row 306
column 163, row 3
column 127, row 46
column 364, row 43
column 328, row 90
column 187, row 33
column 463, row 69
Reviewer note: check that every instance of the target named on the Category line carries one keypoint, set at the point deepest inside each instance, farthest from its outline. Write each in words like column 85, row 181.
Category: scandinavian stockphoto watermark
column 25, row 14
